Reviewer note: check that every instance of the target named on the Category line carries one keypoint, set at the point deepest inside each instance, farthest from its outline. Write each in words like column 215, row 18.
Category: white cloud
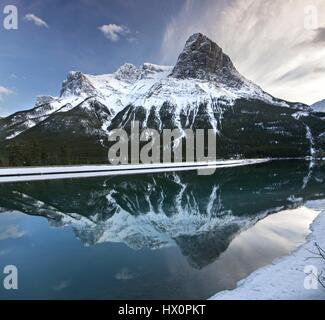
column 11, row 232
column 36, row 20
column 267, row 40
column 4, row 91
column 113, row 32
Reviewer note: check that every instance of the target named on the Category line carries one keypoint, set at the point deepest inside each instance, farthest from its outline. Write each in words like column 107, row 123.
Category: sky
column 280, row 45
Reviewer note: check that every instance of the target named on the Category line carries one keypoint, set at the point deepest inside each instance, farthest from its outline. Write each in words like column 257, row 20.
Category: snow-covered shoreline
column 86, row 171
column 284, row 278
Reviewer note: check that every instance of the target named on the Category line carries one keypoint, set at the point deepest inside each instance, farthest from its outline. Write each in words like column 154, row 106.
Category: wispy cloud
column 11, row 232
column 4, row 92
column 267, row 40
column 113, row 32
column 36, row 20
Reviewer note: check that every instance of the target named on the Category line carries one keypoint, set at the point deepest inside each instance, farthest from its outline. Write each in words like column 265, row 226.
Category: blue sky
column 34, row 60
column 271, row 42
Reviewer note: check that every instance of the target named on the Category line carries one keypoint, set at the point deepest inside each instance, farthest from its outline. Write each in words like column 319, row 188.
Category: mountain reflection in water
column 199, row 214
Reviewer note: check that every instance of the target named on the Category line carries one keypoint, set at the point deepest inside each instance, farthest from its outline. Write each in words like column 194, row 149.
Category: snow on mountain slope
column 202, row 74
column 44, row 107
column 152, row 85
column 319, row 106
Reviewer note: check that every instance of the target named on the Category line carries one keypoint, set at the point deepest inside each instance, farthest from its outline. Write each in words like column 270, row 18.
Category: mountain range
column 203, row 90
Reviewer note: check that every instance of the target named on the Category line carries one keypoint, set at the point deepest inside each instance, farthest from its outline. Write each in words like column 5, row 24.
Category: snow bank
column 284, row 279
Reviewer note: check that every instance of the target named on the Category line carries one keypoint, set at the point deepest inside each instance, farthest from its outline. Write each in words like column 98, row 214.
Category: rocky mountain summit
column 204, row 59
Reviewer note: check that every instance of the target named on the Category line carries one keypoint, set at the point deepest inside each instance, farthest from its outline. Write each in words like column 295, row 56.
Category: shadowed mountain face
column 202, row 91
column 200, row 215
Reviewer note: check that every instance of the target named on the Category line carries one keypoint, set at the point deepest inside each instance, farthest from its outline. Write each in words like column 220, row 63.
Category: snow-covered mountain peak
column 77, row 84
column 131, row 73
column 150, row 68
column 203, row 61
column 319, row 106
column 128, row 72
column 203, row 75
column 41, row 100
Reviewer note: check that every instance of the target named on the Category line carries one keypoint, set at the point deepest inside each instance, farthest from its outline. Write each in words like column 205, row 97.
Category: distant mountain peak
column 77, row 84
column 41, row 100
column 127, row 72
column 203, row 59
column 131, row 73
column 319, row 106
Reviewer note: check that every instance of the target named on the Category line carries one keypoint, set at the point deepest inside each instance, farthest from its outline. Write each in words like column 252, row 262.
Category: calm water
column 155, row 236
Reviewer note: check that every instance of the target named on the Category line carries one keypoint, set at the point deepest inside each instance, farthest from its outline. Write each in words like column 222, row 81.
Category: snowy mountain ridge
column 151, row 85
column 203, row 90
column 185, row 85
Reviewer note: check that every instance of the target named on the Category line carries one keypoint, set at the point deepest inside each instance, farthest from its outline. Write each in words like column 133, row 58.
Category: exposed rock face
column 77, row 84
column 204, row 59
